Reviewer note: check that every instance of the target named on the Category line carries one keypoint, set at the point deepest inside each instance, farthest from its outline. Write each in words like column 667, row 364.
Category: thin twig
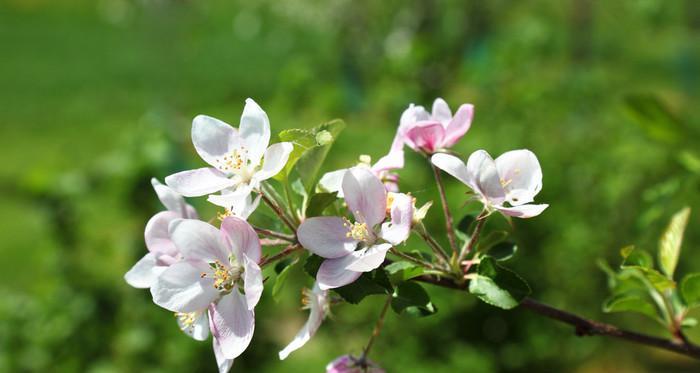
column 278, row 211
column 434, row 245
column 480, row 222
column 449, row 224
column 420, row 262
column 284, row 253
column 275, row 234
column 377, row 328
column 586, row 327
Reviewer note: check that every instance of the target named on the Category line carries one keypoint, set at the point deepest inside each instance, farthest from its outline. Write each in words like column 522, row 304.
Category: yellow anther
column 358, row 231
column 225, row 277
column 365, row 159
column 186, row 319
column 232, row 161
column 223, row 215
column 505, row 183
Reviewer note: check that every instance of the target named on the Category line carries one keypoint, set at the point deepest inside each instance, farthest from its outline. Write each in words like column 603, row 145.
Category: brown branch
column 275, row 234
column 449, row 224
column 285, row 252
column 586, row 327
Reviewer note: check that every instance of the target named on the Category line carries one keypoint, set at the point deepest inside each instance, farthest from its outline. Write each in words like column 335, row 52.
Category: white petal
column 255, row 130
column 242, row 237
column 143, row 273
column 368, row 259
column 399, row 228
column 453, row 166
column 223, row 363
column 333, row 273
column 180, row 288
column 391, row 161
column 275, row 159
column 317, row 305
column 157, row 235
column 199, row 329
column 326, row 236
column 199, row 182
column 332, row 181
column 521, row 174
column 365, row 195
column 482, row 169
column 240, row 204
column 171, row 199
column 232, row 324
column 213, row 138
column 441, row 111
column 522, row 211
column 199, row 240
column 253, row 282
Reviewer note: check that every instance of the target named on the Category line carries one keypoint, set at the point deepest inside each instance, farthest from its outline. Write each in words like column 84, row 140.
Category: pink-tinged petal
column 482, row 169
column 255, row 130
column 521, row 175
column 391, row 161
column 144, row 272
column 181, row 288
column 349, row 364
column 240, row 204
column 222, row 362
column 333, row 273
column 399, row 228
column 453, row 166
column 275, row 159
column 332, row 181
column 199, row 240
column 253, row 282
column 459, row 125
column 318, row 303
column 522, row 211
column 409, row 118
column 367, row 259
column 441, row 112
column 213, row 139
column 426, row 136
column 365, row 195
column 232, row 324
column 157, row 236
column 199, row 182
column 243, row 239
column 190, row 212
column 198, row 328
column 326, row 236
column 172, row 200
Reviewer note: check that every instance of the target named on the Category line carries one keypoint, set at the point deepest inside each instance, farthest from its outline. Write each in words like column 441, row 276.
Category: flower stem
column 278, row 211
column 275, row 234
column 377, row 328
column 480, row 221
column 449, row 224
column 411, row 259
column 282, row 254
column 434, row 245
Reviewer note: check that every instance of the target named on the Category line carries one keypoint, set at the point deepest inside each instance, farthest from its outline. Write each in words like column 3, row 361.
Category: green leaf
column 302, row 140
column 298, row 188
column 690, row 289
column 490, row 240
column 689, row 322
column 375, row 282
column 635, row 257
column 498, row 286
column 318, row 203
column 311, row 160
column 313, row 262
column 630, row 302
column 503, row 251
column 281, row 279
column 655, row 278
column 466, row 224
column 410, row 298
column 403, row 271
column 671, row 240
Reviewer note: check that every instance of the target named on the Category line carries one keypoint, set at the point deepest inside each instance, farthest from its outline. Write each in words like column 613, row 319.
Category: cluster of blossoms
column 211, row 277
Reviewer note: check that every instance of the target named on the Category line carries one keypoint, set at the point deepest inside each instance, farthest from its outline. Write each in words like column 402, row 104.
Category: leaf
column 690, row 290
column 302, row 140
column 298, row 188
column 311, row 160
column 635, row 257
column 403, row 271
column 689, row 322
column 655, row 278
column 630, row 302
column 410, row 298
column 281, row 279
column 503, row 251
column 498, row 286
column 491, row 239
column 465, row 224
column 313, row 262
column 655, row 118
column 375, row 282
column 319, row 202
column 671, row 240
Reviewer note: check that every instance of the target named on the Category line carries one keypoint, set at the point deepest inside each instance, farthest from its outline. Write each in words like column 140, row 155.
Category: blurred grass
column 97, row 97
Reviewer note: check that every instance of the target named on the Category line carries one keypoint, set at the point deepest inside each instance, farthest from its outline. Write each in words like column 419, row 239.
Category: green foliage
column 282, row 278
column 370, row 283
column 690, row 289
column 502, row 251
column 403, row 271
column 410, row 298
column 671, row 240
column 319, row 202
column 498, row 286
column 631, row 301
column 655, row 118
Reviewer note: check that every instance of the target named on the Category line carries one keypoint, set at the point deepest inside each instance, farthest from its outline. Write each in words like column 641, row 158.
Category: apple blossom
column 219, row 272
column 318, row 303
column 161, row 250
column 507, row 184
column 337, row 239
column 350, row 364
column 332, row 181
column 239, row 158
column 430, row 132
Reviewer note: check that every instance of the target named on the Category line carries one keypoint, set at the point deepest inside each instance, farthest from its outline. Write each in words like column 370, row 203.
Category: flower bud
column 351, row 364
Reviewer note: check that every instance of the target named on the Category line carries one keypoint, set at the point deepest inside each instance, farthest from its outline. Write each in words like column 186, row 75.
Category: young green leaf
column 660, row 282
column 690, row 289
column 311, row 160
column 671, row 240
column 403, row 271
column 490, row 240
column 281, row 279
column 410, row 298
column 503, row 251
column 375, row 282
column 498, row 286
column 318, row 203
column 635, row 257
column 633, row 301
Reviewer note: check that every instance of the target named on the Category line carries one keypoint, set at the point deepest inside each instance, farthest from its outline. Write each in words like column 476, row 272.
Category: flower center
column 225, row 277
column 357, row 231
column 187, row 319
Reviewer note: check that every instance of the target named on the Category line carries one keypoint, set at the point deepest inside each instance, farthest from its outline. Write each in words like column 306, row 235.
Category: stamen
column 357, row 231
column 223, row 215
column 187, row 319
column 233, row 161
column 225, row 277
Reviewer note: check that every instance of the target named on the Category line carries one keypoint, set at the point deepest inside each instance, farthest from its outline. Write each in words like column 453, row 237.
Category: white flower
column 318, row 302
column 514, row 179
column 239, row 158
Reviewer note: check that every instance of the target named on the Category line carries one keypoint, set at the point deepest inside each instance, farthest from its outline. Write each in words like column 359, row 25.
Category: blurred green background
column 98, row 96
